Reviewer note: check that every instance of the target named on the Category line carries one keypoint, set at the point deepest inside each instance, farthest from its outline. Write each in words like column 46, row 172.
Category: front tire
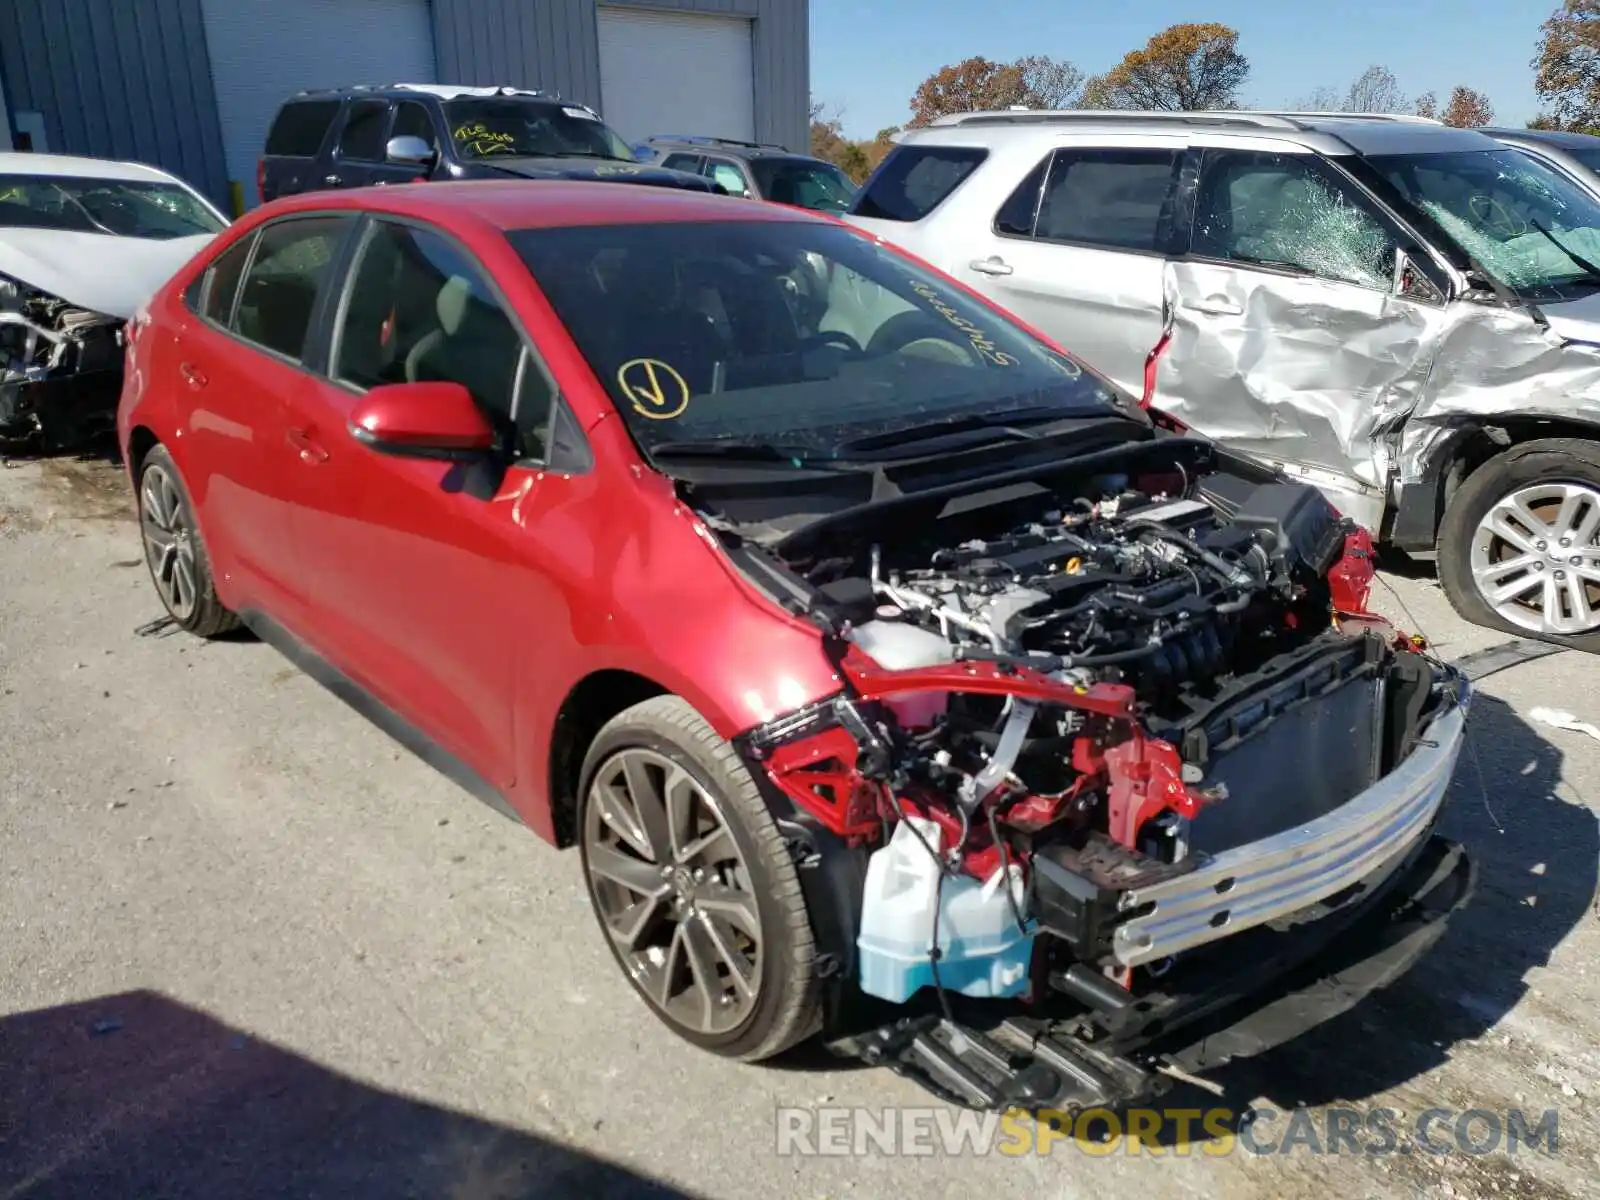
column 693, row 886
column 179, row 566
column 1518, row 545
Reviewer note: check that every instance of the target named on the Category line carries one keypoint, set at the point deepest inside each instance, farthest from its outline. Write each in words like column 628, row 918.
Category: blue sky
column 868, row 56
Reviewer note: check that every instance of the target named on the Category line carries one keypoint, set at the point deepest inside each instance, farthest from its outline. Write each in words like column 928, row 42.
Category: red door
column 416, row 586
column 414, row 583
column 236, row 465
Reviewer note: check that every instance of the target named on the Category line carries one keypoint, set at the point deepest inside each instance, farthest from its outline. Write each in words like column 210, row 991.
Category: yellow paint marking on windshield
column 1061, row 363
column 656, row 389
column 479, row 132
column 981, row 342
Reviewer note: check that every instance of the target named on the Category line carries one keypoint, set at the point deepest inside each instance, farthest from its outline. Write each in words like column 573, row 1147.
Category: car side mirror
column 423, row 420
column 1412, row 283
column 408, row 149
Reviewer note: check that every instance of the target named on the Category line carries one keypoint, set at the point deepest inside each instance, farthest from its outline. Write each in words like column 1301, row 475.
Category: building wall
column 556, row 44
column 126, row 79
column 131, row 79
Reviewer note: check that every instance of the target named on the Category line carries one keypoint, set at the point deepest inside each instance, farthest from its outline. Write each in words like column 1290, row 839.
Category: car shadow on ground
column 1538, row 858
column 138, row 1095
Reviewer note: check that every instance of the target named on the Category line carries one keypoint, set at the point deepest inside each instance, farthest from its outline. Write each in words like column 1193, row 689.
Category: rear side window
column 682, row 162
column 222, row 282
column 300, row 127
column 362, row 137
column 281, row 287
column 915, row 180
column 1115, row 198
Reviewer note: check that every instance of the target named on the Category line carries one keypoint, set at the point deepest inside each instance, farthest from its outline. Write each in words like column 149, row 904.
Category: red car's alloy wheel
column 673, row 892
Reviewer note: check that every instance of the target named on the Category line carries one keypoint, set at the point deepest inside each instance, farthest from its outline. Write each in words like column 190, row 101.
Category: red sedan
column 869, row 646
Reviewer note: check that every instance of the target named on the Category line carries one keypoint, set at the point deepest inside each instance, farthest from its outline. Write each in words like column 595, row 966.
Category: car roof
column 731, row 147
column 26, row 162
column 1327, row 132
column 526, row 204
column 442, row 91
column 1561, row 138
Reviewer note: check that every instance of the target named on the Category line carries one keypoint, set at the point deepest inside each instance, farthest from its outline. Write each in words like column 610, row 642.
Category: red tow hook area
column 1350, row 579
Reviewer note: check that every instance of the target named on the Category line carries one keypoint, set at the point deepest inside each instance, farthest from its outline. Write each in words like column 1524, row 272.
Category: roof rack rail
column 1399, row 118
column 1014, row 116
column 704, row 140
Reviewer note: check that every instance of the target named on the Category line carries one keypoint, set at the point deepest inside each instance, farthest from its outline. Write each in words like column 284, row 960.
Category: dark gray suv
column 409, row 133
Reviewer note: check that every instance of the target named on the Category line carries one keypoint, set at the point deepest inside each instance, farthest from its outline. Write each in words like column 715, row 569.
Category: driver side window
column 1289, row 211
column 419, row 310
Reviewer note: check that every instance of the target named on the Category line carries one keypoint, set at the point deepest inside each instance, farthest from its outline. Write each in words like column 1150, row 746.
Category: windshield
column 794, row 334
column 1529, row 225
column 126, row 208
column 512, row 127
column 817, row 185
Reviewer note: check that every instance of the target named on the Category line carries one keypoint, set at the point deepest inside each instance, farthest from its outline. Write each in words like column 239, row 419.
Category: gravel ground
column 248, row 946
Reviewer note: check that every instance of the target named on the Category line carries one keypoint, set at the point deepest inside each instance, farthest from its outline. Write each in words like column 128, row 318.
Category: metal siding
column 122, row 79
column 647, row 54
column 264, row 51
column 556, row 44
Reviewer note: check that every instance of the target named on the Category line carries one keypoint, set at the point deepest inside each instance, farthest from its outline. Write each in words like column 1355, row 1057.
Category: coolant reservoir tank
column 898, row 646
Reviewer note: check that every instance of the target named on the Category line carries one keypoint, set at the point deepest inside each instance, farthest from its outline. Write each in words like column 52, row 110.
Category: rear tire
column 657, row 783
column 174, row 551
column 1502, row 561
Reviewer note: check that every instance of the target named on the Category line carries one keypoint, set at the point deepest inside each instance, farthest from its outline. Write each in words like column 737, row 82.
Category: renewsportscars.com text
column 847, row 1132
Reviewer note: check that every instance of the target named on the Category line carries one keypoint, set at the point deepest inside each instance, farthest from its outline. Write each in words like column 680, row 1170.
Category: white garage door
column 262, row 52
column 676, row 73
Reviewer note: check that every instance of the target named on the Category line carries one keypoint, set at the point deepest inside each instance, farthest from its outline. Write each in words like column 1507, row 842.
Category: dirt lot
column 250, row 947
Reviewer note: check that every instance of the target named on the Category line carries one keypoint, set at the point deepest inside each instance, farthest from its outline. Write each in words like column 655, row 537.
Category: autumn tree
column 1181, row 69
column 978, row 83
column 829, row 143
column 1567, row 65
column 1468, row 109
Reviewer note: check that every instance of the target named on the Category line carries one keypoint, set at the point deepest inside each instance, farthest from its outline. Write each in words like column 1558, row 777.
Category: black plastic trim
column 380, row 714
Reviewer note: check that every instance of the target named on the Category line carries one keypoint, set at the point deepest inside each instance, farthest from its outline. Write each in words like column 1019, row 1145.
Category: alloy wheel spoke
column 1580, row 614
column 730, row 904
column 711, row 848
column 617, row 812
column 640, row 878
column 650, row 806
column 681, row 800
column 701, row 952
column 735, row 962
column 632, row 926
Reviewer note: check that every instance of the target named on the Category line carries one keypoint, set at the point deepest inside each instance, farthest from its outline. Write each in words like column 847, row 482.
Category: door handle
column 993, row 265
column 330, row 179
column 192, row 375
column 310, row 451
column 1216, row 306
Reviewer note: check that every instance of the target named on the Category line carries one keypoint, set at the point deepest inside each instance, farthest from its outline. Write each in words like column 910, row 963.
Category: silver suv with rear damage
column 1403, row 314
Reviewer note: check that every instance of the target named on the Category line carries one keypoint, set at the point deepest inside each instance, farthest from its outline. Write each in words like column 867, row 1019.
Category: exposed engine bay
column 1145, row 709
column 60, row 368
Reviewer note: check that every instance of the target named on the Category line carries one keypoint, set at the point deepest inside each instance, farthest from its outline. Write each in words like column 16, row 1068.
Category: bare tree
column 1428, row 106
column 1375, row 90
column 1323, row 99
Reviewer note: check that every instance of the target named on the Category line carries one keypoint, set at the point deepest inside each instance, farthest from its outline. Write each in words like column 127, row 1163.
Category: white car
column 83, row 243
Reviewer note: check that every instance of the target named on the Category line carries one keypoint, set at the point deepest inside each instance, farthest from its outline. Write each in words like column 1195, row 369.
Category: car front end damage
column 1153, row 696
column 60, row 368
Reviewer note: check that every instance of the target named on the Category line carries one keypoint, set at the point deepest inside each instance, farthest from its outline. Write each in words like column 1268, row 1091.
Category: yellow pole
column 236, row 194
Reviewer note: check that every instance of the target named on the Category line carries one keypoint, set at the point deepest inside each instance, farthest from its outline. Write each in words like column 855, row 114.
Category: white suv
column 1404, row 314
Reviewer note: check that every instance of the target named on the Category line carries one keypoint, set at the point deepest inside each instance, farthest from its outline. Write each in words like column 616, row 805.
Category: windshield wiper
column 1003, row 425
column 1583, row 264
column 734, row 450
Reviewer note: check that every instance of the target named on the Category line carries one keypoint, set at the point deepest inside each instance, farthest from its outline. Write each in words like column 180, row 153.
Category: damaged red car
column 899, row 681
